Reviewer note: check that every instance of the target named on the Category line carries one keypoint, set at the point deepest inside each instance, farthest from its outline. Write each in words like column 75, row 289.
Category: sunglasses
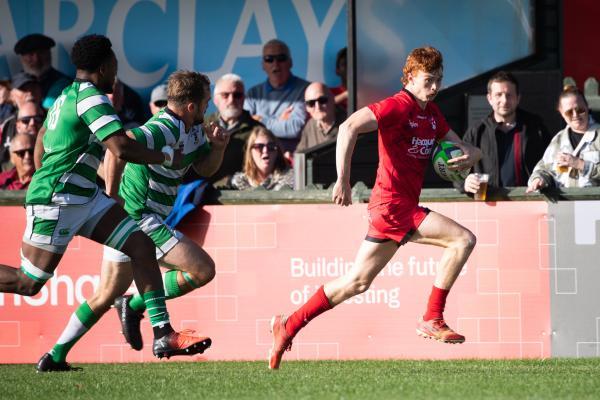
column 573, row 112
column 321, row 100
column 21, row 153
column 27, row 120
column 275, row 57
column 160, row 103
column 235, row 95
column 260, row 146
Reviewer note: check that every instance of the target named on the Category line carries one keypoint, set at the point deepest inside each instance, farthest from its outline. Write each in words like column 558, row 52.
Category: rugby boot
column 47, row 364
column 282, row 342
column 130, row 322
column 437, row 329
column 184, row 343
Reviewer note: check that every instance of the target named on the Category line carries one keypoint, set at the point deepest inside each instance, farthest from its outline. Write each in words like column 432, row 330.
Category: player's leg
column 37, row 267
column 115, row 278
column 42, row 248
column 369, row 261
column 117, row 230
column 458, row 243
column 190, row 268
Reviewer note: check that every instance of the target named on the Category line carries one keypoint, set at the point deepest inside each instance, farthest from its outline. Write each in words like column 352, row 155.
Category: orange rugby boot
column 437, row 329
column 281, row 341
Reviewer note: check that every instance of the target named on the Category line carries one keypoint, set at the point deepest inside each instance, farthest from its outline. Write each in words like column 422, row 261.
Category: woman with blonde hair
column 572, row 158
column 264, row 163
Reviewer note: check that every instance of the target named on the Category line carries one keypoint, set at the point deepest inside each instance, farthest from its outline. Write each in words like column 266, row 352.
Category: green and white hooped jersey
column 153, row 188
column 80, row 119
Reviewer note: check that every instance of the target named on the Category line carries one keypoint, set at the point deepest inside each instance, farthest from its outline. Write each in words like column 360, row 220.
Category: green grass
column 424, row 380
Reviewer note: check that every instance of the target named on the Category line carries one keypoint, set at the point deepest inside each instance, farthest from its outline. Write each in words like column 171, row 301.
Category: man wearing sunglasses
column 29, row 119
column 21, row 156
column 278, row 102
column 229, row 95
column 325, row 116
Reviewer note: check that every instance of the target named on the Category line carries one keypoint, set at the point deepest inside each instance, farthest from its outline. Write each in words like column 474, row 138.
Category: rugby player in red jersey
column 409, row 124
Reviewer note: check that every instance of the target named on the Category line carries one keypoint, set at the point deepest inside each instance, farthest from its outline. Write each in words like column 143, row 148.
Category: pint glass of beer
column 483, row 184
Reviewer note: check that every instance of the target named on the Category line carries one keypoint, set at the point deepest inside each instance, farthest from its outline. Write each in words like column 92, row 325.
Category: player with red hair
column 409, row 124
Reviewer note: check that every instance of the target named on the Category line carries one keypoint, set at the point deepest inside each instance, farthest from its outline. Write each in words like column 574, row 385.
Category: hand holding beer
column 565, row 160
column 477, row 183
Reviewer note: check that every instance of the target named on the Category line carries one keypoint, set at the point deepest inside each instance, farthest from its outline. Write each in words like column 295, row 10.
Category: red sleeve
column 442, row 127
column 388, row 112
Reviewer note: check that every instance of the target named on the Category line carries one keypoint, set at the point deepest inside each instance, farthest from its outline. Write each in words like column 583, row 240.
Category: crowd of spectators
column 270, row 121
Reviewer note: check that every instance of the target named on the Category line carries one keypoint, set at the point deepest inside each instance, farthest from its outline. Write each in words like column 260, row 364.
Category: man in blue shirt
column 278, row 103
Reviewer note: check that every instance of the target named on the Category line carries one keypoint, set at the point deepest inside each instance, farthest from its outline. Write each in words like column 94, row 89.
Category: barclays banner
column 153, row 38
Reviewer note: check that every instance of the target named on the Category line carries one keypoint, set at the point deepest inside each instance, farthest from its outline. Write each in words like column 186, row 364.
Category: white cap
column 159, row 93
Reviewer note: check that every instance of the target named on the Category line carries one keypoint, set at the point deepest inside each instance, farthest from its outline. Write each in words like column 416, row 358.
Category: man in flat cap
column 34, row 53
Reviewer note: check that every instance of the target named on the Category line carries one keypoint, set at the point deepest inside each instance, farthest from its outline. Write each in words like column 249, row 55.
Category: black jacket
column 534, row 140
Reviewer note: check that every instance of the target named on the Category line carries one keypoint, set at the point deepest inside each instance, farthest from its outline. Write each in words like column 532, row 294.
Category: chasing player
column 149, row 192
column 63, row 199
column 408, row 124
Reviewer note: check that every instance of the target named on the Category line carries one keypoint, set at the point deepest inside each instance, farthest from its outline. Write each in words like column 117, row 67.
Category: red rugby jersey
column 407, row 136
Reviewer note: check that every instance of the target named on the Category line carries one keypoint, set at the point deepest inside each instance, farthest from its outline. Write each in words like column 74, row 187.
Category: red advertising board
column 271, row 258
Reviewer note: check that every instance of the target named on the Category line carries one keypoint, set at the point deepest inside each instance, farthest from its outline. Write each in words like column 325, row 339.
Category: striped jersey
column 153, row 188
column 80, row 119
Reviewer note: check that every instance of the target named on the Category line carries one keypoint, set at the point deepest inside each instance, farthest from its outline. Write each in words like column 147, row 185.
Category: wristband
column 169, row 155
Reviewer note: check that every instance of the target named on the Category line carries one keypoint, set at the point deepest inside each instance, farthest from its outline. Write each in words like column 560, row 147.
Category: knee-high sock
column 80, row 322
column 171, row 286
column 316, row 305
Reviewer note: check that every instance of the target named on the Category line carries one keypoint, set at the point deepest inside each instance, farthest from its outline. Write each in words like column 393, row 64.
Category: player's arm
column 218, row 138
column 113, row 170
column 361, row 121
column 38, row 150
column 471, row 154
column 127, row 149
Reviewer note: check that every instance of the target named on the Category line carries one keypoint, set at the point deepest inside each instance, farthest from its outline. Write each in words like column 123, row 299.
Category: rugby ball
column 443, row 152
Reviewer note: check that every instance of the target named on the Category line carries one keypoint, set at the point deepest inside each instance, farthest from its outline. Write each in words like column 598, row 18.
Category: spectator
column 30, row 117
column 264, row 164
column 341, row 92
column 158, row 98
column 573, row 157
column 21, row 155
column 128, row 105
column 25, row 87
column 35, row 56
column 279, row 101
column 511, row 139
column 325, row 117
column 237, row 122
column 7, row 108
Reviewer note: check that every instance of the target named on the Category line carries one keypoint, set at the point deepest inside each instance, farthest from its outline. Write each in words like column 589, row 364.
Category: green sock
column 156, row 307
column 172, row 289
column 137, row 303
column 80, row 322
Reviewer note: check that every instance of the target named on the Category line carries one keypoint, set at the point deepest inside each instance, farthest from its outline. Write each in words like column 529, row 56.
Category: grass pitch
column 464, row 379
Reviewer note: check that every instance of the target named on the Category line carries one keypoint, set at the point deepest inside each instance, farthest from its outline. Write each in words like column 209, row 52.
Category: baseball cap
column 21, row 79
column 35, row 41
column 159, row 93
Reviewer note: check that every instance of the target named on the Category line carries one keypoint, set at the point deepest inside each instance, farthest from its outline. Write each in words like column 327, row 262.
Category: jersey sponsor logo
column 420, row 147
column 194, row 135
